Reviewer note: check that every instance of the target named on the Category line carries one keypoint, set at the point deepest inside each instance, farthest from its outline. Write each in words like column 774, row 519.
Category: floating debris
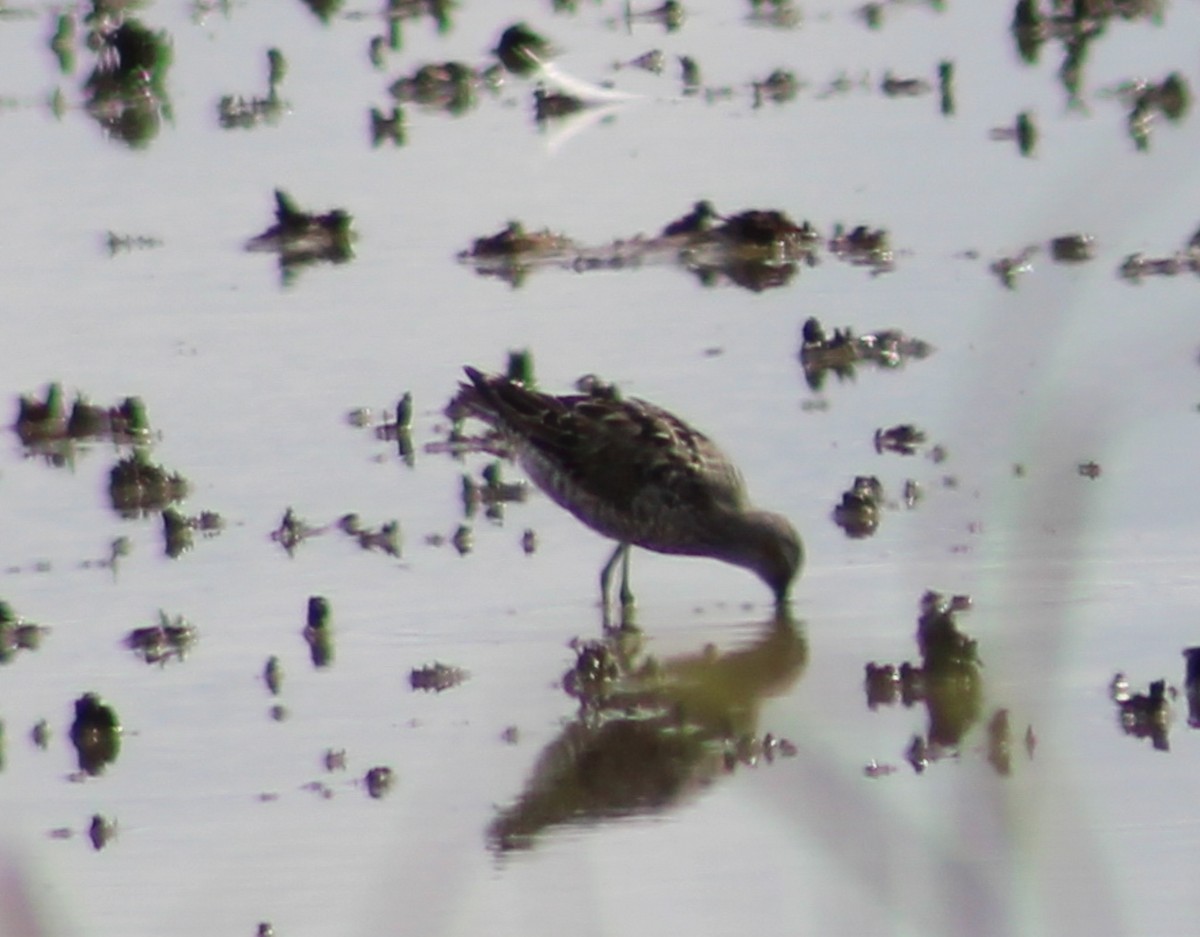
column 137, row 487
column 1137, row 266
column 387, row 127
column 302, row 238
column 451, row 87
column 100, row 831
column 379, row 781
column 513, row 251
column 124, row 423
column 1089, row 469
column 126, row 91
column 463, row 540
column 17, row 634
column 273, row 675
column 238, row 112
column 779, row 87
column 863, row 247
column 493, row 493
column 116, row 243
column 902, row 439
column 178, row 529
column 41, row 419
column 653, row 61
column 293, row 531
column 595, row 671
column 1073, row 248
column 42, row 423
column 843, row 351
column 689, row 73
column 171, row 637
column 318, row 632
column 529, row 541
column 894, row 87
column 1023, row 131
column 1191, row 684
column 436, row 677
column 1007, row 269
column 62, row 43
column 40, row 734
column 999, row 743
column 699, row 220
column 946, row 87
column 670, row 15
column 1171, row 98
column 1147, row 715
column 858, row 511
column 397, row 429
column 334, row 759
column 522, row 51
column 95, row 733
column 548, row 105
column 781, row 14
column 384, row 539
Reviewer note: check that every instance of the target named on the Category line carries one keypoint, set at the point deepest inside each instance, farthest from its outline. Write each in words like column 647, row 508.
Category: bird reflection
column 650, row 733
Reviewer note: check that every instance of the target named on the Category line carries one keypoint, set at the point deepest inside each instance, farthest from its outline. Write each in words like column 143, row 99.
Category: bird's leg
column 626, row 592
column 606, row 578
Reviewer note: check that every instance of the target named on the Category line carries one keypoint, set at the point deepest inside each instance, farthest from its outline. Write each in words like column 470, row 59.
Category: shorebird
column 637, row 474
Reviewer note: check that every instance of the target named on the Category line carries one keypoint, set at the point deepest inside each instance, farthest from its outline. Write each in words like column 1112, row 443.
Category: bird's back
column 627, row 468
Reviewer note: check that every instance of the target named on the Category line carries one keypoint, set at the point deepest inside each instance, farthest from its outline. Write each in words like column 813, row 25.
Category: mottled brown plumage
column 638, row 474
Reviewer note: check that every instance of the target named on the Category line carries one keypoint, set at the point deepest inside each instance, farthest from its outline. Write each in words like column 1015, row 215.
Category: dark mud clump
column 294, row 530
column 491, row 492
column 1144, row 715
column 318, row 632
column 383, row 539
column 450, row 87
column 436, row 677
column 17, row 634
column 1073, row 248
column 301, row 238
column 95, row 733
column 859, row 510
column 273, row 675
column 170, row 638
column 101, row 831
column 126, row 92
column 379, row 781
column 136, row 486
column 903, row 439
column 522, row 51
column 842, row 352
column 238, row 112
column 43, row 424
column 178, row 529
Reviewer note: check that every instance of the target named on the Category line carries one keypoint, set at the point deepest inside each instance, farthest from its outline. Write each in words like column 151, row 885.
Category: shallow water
column 248, row 380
